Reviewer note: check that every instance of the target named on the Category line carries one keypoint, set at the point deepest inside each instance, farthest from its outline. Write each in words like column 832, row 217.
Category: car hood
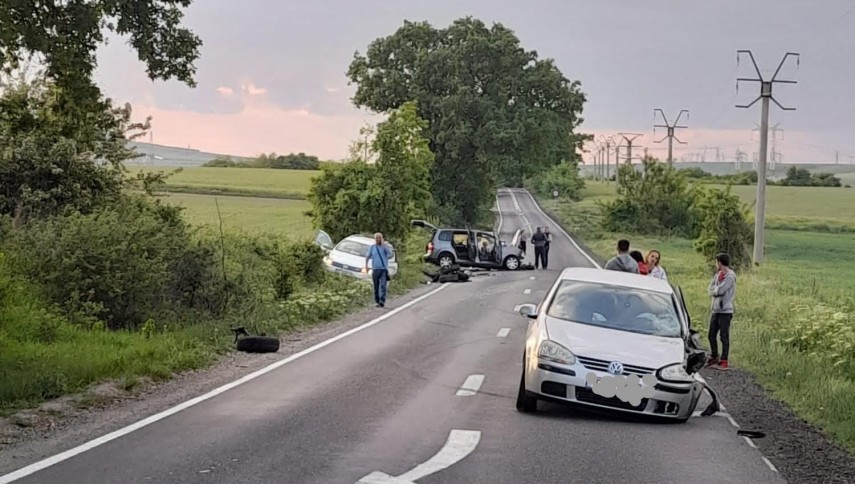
column 614, row 345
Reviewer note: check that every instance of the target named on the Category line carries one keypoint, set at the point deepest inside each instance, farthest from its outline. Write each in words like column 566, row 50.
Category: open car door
column 324, row 241
column 472, row 245
column 423, row 224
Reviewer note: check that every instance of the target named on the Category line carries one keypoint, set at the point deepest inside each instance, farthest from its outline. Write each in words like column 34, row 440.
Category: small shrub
column 821, row 331
column 563, row 178
column 724, row 226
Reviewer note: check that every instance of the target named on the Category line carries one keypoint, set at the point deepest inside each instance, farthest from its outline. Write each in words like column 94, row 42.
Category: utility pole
column 765, row 96
column 629, row 138
column 607, row 146
column 670, row 129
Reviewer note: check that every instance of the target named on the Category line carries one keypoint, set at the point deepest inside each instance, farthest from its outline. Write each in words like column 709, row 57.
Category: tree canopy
column 64, row 36
column 496, row 113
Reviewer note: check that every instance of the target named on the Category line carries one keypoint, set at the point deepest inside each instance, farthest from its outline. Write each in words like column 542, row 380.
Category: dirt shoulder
column 800, row 451
column 58, row 425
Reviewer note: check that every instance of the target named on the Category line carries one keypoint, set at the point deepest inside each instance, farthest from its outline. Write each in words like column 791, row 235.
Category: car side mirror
column 529, row 311
column 696, row 362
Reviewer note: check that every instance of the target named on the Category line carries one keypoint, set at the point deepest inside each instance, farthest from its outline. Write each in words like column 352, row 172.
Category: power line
column 670, row 127
column 765, row 97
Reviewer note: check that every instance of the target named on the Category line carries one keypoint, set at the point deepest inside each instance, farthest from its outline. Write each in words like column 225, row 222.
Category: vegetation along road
column 121, row 279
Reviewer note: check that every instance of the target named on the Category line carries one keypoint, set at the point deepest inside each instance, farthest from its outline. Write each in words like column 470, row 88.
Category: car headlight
column 674, row 373
column 552, row 351
column 327, row 261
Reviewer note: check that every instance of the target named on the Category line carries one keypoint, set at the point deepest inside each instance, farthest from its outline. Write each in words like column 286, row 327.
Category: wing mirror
column 529, row 311
column 696, row 362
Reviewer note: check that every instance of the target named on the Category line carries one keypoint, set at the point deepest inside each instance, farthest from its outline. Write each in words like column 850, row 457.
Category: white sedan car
column 348, row 256
column 611, row 340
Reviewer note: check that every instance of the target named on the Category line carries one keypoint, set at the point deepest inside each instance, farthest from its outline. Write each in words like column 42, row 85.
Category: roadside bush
column 563, row 177
column 121, row 264
column 821, row 331
column 724, row 226
column 655, row 201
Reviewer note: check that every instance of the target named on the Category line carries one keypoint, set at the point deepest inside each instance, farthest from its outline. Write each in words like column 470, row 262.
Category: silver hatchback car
column 611, row 340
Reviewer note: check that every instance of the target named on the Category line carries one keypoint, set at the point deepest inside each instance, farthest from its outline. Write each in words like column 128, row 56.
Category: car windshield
column 352, row 247
column 620, row 308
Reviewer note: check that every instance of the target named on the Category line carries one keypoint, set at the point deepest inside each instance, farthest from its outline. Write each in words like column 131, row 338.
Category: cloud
column 225, row 91
column 253, row 90
column 259, row 127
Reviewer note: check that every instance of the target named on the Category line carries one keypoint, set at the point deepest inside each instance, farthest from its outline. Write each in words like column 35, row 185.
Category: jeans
column 539, row 257
column 720, row 323
column 380, row 276
column 545, row 256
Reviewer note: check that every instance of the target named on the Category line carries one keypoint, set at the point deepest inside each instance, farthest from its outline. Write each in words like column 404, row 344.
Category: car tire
column 445, row 259
column 512, row 263
column 525, row 403
column 258, row 344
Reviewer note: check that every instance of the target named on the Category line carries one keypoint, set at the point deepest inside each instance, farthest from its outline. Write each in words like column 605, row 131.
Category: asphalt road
column 385, row 400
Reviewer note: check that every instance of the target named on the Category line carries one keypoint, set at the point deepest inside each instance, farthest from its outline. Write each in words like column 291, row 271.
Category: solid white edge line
column 53, row 460
column 503, row 333
column 590, row 259
column 471, row 386
column 769, row 464
column 749, row 441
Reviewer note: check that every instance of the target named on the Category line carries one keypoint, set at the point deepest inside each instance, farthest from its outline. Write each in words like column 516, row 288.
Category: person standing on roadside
column 546, row 247
column 538, row 240
column 622, row 261
column 639, row 259
column 653, row 260
column 722, row 289
column 379, row 255
column 522, row 243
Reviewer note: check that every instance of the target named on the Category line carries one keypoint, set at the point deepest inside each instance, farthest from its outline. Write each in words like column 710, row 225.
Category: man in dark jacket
column 538, row 240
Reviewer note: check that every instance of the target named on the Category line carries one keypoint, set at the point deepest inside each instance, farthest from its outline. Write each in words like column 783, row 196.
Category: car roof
column 362, row 239
column 615, row 278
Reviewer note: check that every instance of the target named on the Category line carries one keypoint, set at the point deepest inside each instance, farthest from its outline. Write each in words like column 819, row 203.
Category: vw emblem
column 615, row 368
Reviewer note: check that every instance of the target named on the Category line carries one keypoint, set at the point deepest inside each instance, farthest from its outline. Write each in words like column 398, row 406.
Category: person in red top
column 642, row 266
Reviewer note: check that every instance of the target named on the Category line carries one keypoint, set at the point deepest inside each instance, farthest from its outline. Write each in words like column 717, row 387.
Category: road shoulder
column 64, row 423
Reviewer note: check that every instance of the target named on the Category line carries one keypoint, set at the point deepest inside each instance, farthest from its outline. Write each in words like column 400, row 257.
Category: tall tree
column 64, row 36
column 496, row 113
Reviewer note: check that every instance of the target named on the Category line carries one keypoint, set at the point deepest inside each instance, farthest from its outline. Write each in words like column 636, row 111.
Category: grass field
column 258, row 182
column 246, row 214
column 795, row 322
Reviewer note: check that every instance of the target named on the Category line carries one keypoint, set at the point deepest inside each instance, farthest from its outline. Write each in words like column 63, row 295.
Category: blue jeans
column 380, row 276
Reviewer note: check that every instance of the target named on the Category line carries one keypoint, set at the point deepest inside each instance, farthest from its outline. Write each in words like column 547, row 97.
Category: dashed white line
column 527, row 291
column 504, row 332
column 517, row 308
column 532, row 278
column 471, row 386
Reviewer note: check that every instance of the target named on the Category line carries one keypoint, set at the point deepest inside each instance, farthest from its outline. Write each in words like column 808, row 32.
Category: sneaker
column 712, row 362
column 722, row 365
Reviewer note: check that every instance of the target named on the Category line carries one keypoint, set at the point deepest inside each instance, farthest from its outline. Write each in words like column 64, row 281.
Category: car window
column 445, row 236
column 353, row 247
column 620, row 308
column 461, row 238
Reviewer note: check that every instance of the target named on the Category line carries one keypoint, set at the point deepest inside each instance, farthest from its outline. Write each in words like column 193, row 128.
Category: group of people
column 722, row 289
column 541, row 239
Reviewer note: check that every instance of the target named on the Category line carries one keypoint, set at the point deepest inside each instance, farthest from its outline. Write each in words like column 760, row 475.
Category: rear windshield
column 620, row 308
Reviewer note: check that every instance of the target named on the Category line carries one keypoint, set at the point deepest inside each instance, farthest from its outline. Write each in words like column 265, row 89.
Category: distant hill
column 158, row 155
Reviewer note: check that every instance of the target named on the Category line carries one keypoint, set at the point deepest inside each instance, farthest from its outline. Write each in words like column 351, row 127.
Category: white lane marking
column 516, row 203
column 56, row 459
column 749, row 441
column 769, row 464
column 527, row 291
column 504, row 332
column 460, row 444
column 732, row 422
column 470, row 386
column 517, row 308
column 532, row 278
column 591, row 259
column 698, row 413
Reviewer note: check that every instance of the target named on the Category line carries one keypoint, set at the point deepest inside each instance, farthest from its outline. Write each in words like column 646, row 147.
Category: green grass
column 246, row 214
column 241, row 181
column 784, row 330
